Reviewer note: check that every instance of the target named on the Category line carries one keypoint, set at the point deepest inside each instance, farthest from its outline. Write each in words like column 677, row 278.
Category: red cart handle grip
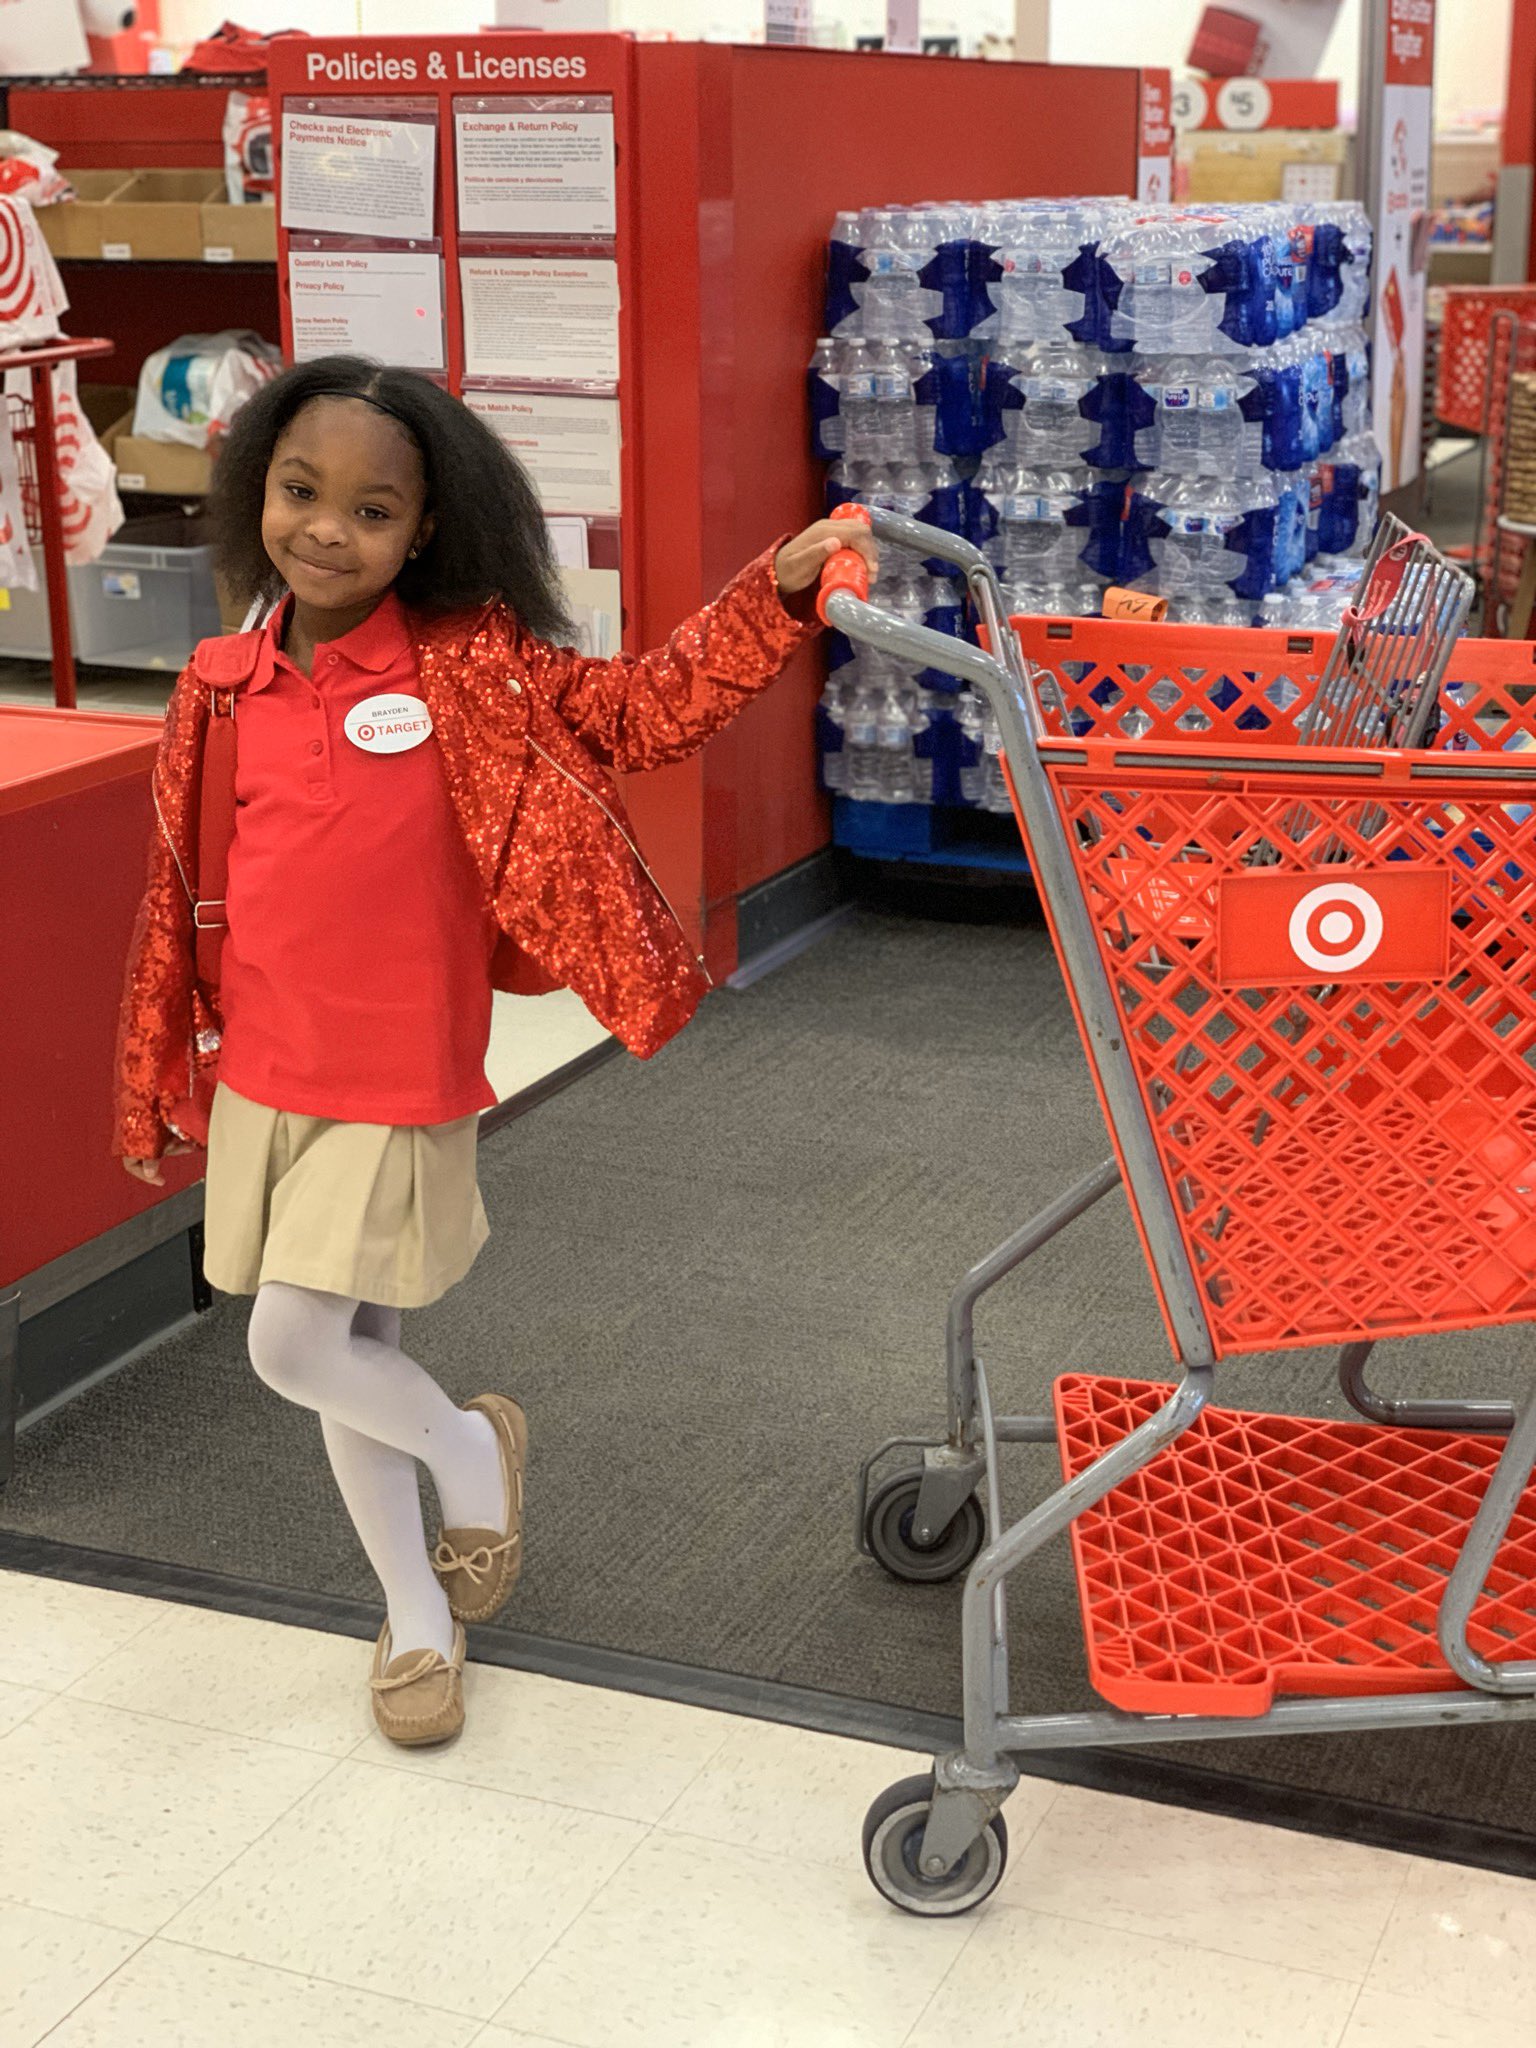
column 847, row 569
column 1386, row 581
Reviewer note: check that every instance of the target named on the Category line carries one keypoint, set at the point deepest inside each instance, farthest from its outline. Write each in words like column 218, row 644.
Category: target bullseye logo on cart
column 388, row 725
column 1336, row 927
column 1386, row 924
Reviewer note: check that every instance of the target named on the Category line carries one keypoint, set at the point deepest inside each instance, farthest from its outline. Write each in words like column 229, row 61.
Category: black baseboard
column 74, row 1341
column 786, row 903
column 1132, row 1775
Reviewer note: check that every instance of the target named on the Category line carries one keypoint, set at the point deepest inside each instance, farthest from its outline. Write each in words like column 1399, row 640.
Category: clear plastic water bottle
column 1042, row 531
column 856, row 402
column 833, row 707
column 1357, row 393
column 1361, row 451
column 845, row 276
column 897, row 247
column 1295, row 495
column 1317, row 416
column 861, row 749
column 848, row 483
column 1352, row 260
column 952, row 270
column 981, row 775
column 1200, row 516
column 1043, row 244
column 824, row 392
column 893, row 744
column 1199, row 428
column 930, row 708
column 890, row 366
column 1160, row 262
column 1036, row 397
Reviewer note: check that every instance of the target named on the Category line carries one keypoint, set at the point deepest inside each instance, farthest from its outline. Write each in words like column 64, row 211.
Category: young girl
column 423, row 811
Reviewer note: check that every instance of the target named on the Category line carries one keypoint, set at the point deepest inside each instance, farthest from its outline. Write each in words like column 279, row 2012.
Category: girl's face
column 346, row 502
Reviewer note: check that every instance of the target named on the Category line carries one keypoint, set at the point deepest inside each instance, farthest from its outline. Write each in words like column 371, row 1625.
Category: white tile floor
column 202, row 1840
column 534, row 1036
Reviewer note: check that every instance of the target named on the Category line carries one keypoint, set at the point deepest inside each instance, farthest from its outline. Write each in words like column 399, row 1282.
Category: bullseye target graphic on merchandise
column 16, row 278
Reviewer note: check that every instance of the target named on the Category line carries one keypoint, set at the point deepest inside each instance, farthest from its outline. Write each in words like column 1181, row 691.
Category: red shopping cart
column 1304, row 980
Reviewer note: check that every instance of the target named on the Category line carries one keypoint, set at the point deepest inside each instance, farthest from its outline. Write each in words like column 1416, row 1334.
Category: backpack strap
column 215, row 835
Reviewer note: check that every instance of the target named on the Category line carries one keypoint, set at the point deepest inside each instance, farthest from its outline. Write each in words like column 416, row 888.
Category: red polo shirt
column 356, row 969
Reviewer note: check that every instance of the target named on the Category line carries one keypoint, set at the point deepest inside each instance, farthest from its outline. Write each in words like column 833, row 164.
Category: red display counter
column 75, row 814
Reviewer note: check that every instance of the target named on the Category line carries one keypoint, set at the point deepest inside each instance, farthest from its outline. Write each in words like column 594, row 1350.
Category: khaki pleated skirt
column 377, row 1212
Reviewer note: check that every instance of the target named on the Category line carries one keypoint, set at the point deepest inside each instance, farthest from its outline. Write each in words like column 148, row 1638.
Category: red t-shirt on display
column 356, row 967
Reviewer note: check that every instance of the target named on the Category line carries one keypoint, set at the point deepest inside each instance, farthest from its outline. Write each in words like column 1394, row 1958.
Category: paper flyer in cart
column 385, row 303
column 545, row 319
column 349, row 174
column 536, row 167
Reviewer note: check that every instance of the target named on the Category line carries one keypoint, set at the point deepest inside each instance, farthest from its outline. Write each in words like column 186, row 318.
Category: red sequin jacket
column 527, row 733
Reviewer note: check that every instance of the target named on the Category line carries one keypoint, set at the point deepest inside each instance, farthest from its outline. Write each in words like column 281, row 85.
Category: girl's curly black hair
column 490, row 539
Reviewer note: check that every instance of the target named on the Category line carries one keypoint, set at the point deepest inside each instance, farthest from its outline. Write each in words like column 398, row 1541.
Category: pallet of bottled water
column 1094, row 392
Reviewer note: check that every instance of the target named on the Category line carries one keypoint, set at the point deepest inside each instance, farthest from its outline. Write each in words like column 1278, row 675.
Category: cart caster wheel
column 888, row 1531
column 893, row 1836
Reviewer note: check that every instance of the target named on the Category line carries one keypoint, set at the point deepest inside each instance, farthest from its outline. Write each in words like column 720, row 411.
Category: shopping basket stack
column 1303, row 972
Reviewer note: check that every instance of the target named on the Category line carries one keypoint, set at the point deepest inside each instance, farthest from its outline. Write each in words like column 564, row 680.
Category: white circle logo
column 1336, row 927
column 1243, row 103
column 388, row 725
column 1190, row 104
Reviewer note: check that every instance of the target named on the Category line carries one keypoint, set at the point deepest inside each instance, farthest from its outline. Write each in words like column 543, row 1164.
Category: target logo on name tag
column 1365, row 924
column 388, row 725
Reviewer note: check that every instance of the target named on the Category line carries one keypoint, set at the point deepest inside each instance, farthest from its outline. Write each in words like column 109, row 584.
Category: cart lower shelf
column 1265, row 1554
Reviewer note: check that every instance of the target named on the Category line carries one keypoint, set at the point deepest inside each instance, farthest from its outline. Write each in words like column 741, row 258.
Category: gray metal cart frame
column 937, row 1846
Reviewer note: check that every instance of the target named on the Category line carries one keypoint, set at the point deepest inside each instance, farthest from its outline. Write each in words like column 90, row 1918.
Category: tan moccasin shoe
column 418, row 1698
column 477, row 1568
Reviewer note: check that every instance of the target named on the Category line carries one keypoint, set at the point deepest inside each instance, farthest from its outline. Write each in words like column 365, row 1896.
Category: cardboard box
column 1272, row 163
column 73, row 227
column 163, row 466
column 105, row 404
column 239, row 234
column 157, row 217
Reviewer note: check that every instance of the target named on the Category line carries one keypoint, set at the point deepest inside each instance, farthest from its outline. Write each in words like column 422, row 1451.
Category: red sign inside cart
column 1382, row 924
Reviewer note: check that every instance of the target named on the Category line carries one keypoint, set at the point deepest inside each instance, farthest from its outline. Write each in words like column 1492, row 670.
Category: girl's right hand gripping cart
column 1296, row 928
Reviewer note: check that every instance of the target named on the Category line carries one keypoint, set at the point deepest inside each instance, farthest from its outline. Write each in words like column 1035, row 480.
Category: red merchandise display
column 731, row 163
column 75, row 817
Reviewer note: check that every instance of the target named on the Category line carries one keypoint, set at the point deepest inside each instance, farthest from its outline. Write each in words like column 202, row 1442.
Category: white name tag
column 388, row 725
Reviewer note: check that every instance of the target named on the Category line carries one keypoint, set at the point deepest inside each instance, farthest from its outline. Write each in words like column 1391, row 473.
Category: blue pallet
column 928, row 835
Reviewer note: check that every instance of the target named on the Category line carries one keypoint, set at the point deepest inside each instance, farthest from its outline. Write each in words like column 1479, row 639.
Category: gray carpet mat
column 715, row 1281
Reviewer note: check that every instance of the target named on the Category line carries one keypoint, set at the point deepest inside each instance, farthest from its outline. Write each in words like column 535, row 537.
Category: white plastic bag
column 18, row 571
column 31, row 168
column 191, row 391
column 91, row 508
column 32, row 294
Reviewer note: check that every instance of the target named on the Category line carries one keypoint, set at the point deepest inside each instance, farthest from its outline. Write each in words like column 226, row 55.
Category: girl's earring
column 414, row 553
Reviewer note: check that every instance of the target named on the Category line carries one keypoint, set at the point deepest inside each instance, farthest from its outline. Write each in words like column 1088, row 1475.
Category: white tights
column 380, row 1413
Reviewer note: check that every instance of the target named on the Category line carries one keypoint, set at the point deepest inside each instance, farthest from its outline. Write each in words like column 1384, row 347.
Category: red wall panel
column 810, row 132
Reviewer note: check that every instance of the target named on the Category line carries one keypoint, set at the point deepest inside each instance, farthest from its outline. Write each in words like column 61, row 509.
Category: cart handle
column 1386, row 581
column 847, row 569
